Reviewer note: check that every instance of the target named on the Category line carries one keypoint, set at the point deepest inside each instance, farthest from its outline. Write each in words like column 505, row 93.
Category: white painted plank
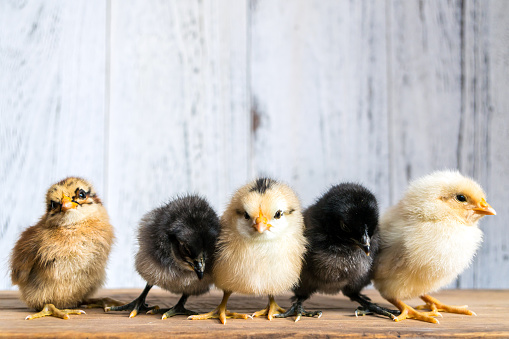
column 179, row 114
column 485, row 125
column 51, row 104
column 425, row 88
column 318, row 91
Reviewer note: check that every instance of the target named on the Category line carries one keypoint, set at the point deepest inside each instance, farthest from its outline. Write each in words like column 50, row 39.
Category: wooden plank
column 179, row 114
column 485, row 127
column 318, row 94
column 337, row 321
column 52, row 66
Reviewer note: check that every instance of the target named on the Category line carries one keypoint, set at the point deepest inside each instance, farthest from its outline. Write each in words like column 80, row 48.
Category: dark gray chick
column 341, row 229
column 177, row 243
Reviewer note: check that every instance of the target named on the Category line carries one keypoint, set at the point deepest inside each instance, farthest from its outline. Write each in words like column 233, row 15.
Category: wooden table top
column 338, row 318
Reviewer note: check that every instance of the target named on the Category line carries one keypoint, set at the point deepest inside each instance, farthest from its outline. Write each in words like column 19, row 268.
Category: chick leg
column 298, row 310
column 136, row 305
column 50, row 309
column 178, row 309
column 408, row 312
column 271, row 310
column 436, row 306
column 220, row 312
column 368, row 307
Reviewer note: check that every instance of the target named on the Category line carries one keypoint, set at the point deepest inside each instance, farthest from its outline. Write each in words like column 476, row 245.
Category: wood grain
column 338, row 320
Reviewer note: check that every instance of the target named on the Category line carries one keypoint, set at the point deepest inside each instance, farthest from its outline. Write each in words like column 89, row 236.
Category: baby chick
column 342, row 234
column 260, row 246
column 177, row 243
column 61, row 260
column 428, row 239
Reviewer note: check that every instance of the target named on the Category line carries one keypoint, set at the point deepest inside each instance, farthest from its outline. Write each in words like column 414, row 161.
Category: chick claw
column 220, row 312
column 436, row 306
column 271, row 310
column 297, row 310
column 134, row 306
column 51, row 310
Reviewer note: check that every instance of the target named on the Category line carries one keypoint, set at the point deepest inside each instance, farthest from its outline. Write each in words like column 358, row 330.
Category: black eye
column 461, row 198
column 278, row 214
column 53, row 204
column 344, row 227
column 246, row 216
column 82, row 194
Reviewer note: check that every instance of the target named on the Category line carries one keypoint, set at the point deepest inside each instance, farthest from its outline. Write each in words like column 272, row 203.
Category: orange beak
column 67, row 203
column 261, row 223
column 484, row 208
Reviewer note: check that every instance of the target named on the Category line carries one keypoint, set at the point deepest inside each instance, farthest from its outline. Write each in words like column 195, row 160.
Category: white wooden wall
column 149, row 99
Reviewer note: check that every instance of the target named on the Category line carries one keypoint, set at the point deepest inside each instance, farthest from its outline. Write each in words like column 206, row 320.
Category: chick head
column 264, row 210
column 192, row 234
column 350, row 215
column 70, row 200
column 447, row 195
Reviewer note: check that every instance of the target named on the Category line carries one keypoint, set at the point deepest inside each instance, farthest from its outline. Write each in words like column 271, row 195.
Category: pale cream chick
column 428, row 239
column 260, row 247
column 61, row 261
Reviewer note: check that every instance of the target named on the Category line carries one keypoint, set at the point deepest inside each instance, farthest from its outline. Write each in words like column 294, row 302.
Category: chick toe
column 220, row 312
column 178, row 309
column 135, row 306
column 408, row 312
column 104, row 303
column 271, row 310
column 436, row 306
column 298, row 311
column 51, row 310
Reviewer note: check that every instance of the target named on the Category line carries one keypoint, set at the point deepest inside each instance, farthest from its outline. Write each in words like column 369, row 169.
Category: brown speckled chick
column 260, row 247
column 61, row 261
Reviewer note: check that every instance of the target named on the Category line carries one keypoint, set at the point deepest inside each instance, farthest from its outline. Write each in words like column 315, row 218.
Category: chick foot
column 135, row 306
column 271, row 310
column 220, row 312
column 368, row 307
column 51, row 310
column 408, row 312
column 436, row 306
column 298, row 310
column 178, row 309
column 103, row 303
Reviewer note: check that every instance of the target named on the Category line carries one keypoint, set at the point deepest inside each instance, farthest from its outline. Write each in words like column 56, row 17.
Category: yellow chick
column 260, row 248
column 427, row 240
column 61, row 261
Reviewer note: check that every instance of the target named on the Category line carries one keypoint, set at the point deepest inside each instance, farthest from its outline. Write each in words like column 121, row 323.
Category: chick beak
column 484, row 208
column 199, row 268
column 67, row 203
column 261, row 223
column 365, row 243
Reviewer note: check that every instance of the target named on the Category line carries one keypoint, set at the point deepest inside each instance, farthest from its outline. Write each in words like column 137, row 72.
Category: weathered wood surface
column 153, row 99
column 338, row 319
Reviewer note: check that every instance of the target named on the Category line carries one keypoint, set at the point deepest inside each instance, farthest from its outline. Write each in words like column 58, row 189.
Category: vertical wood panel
column 179, row 114
column 485, row 125
column 318, row 94
column 51, row 106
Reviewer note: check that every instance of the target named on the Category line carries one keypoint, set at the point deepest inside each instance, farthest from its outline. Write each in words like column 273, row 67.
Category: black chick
column 176, row 248
column 341, row 229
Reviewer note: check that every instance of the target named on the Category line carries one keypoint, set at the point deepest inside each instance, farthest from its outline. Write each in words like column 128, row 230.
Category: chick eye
column 82, row 194
column 461, row 198
column 246, row 216
column 53, row 204
column 344, row 227
column 278, row 214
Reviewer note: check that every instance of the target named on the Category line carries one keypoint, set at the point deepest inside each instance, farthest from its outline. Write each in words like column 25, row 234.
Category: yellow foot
column 51, row 310
column 435, row 305
column 271, row 310
column 408, row 312
column 104, row 303
column 220, row 312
